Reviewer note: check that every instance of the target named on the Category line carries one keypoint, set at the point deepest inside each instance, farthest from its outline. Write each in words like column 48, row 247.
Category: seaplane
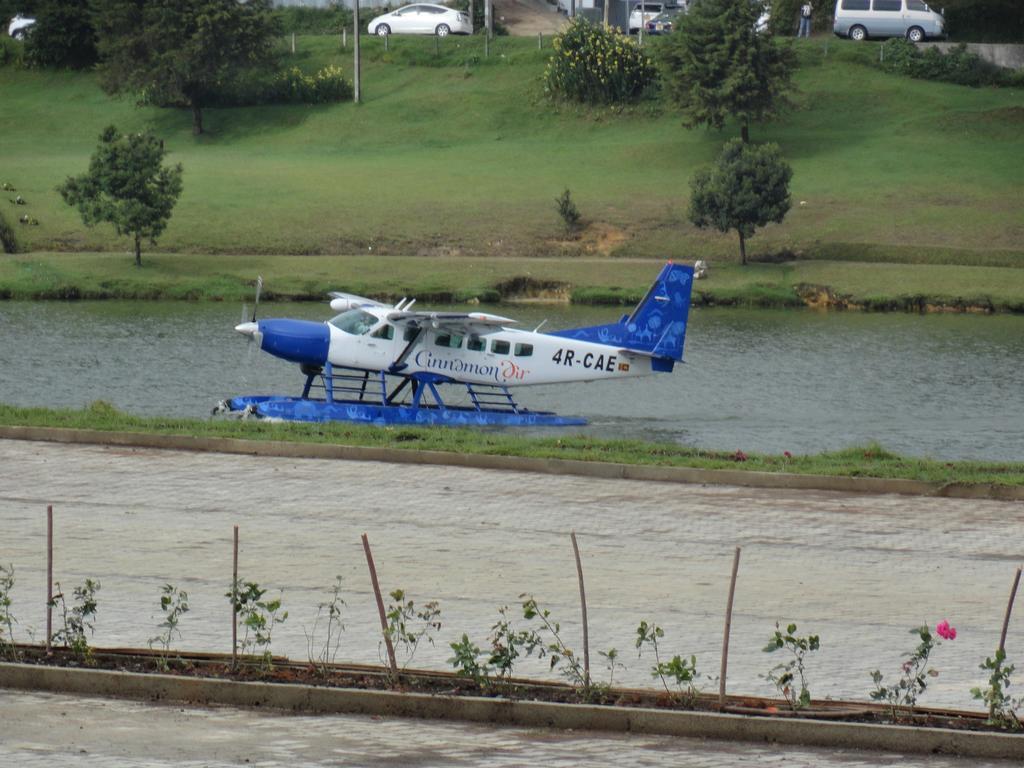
column 388, row 364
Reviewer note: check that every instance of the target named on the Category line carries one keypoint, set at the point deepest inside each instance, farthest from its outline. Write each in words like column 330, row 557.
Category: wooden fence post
column 728, row 627
column 380, row 610
column 49, row 580
column 234, row 602
column 1009, row 607
column 583, row 607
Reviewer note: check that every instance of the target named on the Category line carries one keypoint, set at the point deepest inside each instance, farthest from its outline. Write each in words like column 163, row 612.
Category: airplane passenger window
column 475, row 344
column 451, row 340
column 410, row 333
column 499, row 347
column 524, row 350
column 384, row 332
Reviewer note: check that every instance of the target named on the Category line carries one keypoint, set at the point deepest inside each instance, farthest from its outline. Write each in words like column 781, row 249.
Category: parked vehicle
column 20, row 27
column 421, row 19
column 642, row 13
column 913, row 19
column 662, row 23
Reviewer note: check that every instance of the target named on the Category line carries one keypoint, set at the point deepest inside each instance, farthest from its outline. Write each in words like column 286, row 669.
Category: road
column 860, row 571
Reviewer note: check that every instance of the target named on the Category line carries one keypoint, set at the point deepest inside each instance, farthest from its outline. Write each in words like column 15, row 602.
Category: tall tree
column 747, row 187
column 716, row 65
column 126, row 185
column 62, row 35
column 182, row 52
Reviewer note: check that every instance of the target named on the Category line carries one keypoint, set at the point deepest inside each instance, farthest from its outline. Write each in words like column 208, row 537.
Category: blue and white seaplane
column 388, row 364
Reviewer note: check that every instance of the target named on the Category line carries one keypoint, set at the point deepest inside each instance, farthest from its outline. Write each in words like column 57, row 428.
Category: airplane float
column 386, row 364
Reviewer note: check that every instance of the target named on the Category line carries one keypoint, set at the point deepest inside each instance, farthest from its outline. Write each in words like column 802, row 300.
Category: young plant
column 466, row 661
column 1002, row 708
column 784, row 676
column 914, row 671
column 174, row 604
column 569, row 212
column 7, row 620
column 509, row 643
column 682, row 672
column 259, row 617
column 408, row 627
column 558, row 652
column 330, row 614
column 611, row 658
column 77, row 620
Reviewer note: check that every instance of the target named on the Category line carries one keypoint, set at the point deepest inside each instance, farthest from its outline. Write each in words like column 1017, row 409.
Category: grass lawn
column 459, row 155
column 859, row 461
column 461, row 278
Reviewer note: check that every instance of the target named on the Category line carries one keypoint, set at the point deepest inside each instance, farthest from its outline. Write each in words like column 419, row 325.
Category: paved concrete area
column 528, row 17
column 47, row 730
column 858, row 570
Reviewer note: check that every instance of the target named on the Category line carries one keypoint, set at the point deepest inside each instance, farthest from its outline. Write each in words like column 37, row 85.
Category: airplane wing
column 459, row 322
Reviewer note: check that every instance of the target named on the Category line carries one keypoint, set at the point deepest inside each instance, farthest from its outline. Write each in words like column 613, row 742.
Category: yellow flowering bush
column 295, row 86
column 596, row 65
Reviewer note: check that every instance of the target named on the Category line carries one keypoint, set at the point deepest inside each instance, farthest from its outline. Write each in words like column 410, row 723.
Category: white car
column 642, row 13
column 19, row 27
column 421, row 19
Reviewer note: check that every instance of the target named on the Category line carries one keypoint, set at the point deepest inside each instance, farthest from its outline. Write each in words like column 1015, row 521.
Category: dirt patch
column 595, row 239
column 525, row 288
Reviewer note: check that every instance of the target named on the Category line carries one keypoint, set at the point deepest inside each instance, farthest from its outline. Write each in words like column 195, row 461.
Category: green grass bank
column 861, row 461
column 455, row 154
column 454, row 279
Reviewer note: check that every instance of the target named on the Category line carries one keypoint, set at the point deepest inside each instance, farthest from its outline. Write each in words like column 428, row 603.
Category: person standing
column 805, row 20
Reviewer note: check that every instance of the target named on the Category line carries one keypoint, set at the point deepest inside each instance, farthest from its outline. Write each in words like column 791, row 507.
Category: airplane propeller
column 249, row 327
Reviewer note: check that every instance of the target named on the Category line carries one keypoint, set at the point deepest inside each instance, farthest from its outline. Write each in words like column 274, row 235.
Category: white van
column 912, row 19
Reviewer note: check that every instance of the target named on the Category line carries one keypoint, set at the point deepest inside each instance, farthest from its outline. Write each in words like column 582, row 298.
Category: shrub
column 293, row 86
column 8, row 242
column 595, row 65
column 958, row 66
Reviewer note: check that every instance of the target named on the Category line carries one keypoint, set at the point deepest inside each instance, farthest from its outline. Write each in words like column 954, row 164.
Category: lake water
column 947, row 386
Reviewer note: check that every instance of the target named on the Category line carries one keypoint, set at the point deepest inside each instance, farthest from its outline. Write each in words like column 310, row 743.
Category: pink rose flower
column 945, row 631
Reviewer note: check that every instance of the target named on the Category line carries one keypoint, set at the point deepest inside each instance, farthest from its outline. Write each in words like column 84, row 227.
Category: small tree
column 62, row 35
column 716, row 65
column 747, row 187
column 182, row 52
column 126, row 185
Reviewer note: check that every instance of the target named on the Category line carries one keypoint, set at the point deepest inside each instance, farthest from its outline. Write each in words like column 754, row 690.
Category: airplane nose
column 248, row 329
column 299, row 341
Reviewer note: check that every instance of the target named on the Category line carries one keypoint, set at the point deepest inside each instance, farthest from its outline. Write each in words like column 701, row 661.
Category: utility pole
column 355, row 35
column 607, row 5
column 489, row 18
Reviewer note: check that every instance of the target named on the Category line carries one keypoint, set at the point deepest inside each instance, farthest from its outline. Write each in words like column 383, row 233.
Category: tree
column 182, row 52
column 716, row 65
column 126, row 185
column 62, row 35
column 747, row 187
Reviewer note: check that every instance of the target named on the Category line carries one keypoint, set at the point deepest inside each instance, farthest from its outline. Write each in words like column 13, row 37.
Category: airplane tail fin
column 657, row 326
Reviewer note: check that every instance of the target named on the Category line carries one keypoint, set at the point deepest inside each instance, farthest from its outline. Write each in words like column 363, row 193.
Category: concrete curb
column 865, row 485
column 532, row 714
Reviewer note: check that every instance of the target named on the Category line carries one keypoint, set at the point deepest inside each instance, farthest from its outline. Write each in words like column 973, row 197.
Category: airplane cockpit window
column 411, row 333
column 384, row 332
column 354, row 321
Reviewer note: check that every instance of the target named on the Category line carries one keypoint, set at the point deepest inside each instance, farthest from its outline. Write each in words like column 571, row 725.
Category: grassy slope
column 865, row 461
column 468, row 157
